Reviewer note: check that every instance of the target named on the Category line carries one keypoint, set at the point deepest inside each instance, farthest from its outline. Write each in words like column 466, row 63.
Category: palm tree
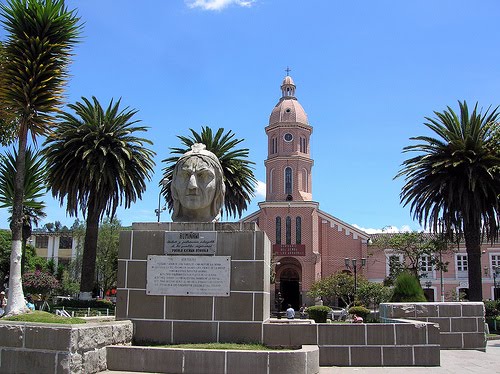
column 455, row 178
column 40, row 38
column 7, row 120
column 238, row 171
column 96, row 163
column 34, row 188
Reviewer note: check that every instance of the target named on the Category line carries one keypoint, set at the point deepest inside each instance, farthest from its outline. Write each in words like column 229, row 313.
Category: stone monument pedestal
column 149, row 293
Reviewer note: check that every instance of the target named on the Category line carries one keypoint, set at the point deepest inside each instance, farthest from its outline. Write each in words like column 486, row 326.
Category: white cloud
column 217, row 4
column 387, row 229
column 260, row 189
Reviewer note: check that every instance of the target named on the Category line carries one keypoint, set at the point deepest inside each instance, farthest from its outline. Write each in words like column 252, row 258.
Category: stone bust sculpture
column 197, row 186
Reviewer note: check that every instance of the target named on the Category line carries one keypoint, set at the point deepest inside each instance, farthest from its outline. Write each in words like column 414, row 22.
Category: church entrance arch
column 289, row 277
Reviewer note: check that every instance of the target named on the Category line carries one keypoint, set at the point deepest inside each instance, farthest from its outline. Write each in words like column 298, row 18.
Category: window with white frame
column 495, row 260
column 462, row 264
column 495, row 264
column 426, row 264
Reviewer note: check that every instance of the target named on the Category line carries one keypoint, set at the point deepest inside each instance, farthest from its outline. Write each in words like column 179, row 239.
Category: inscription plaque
column 190, row 242
column 188, row 275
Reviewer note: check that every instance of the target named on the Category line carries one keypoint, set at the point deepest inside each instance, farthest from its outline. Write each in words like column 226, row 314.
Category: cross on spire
column 288, row 70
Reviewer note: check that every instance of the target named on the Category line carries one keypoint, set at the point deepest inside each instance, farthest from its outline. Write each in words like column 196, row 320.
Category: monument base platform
column 169, row 319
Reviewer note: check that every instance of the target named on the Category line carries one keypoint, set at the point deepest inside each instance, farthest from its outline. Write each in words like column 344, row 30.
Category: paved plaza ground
column 452, row 362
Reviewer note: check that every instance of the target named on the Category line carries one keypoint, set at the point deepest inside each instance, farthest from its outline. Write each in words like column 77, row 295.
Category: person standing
column 3, row 302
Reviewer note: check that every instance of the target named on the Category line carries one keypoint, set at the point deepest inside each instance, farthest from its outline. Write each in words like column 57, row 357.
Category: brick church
column 308, row 244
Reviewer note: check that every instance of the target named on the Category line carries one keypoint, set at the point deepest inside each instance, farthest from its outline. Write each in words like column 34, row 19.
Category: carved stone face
column 195, row 184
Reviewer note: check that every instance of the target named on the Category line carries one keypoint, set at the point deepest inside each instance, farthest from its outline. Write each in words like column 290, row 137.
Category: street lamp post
column 159, row 209
column 353, row 263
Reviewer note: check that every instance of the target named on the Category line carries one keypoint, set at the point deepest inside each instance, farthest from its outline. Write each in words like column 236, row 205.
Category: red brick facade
column 316, row 243
column 319, row 246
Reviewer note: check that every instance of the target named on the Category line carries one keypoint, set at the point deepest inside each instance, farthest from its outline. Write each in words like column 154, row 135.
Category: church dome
column 288, row 108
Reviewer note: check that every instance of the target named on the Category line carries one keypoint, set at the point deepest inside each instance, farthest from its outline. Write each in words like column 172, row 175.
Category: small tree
column 413, row 246
column 372, row 294
column 40, row 282
column 107, row 253
column 340, row 285
column 407, row 288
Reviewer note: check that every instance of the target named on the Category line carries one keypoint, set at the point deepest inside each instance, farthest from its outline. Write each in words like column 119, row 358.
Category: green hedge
column 360, row 311
column 101, row 304
column 318, row 313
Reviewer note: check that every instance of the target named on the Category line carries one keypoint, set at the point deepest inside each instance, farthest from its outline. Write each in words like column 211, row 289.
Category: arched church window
column 278, row 230
column 298, row 230
column 288, row 180
column 288, row 230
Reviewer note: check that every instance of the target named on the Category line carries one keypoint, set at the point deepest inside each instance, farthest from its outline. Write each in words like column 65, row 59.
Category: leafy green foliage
column 413, row 246
column 372, row 294
column 40, row 39
column 34, row 179
column 68, row 285
column 40, row 36
column 492, row 308
column 318, row 313
column 238, row 170
column 225, row 346
column 407, row 288
column 8, row 124
column 107, row 253
column 455, row 180
column 339, row 285
column 40, row 282
column 360, row 311
column 99, row 304
column 5, row 249
column 96, row 163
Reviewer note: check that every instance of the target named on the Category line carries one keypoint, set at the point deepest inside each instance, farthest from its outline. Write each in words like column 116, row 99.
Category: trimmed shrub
column 318, row 313
column 492, row 308
column 39, row 282
column 407, row 289
column 97, row 304
column 360, row 311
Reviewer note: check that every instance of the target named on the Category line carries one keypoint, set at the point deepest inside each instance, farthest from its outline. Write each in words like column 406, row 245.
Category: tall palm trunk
column 16, row 303
column 472, row 235
column 89, row 251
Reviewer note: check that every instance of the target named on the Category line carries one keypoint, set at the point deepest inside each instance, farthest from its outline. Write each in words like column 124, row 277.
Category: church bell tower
column 288, row 163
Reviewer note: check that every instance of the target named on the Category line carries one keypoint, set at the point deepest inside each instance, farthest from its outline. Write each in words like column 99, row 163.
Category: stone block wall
column 56, row 349
column 196, row 319
column 461, row 323
column 194, row 361
column 407, row 343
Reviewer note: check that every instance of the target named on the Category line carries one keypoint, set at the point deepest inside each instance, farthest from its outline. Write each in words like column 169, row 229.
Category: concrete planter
column 461, row 323
column 54, row 348
column 407, row 343
column 192, row 361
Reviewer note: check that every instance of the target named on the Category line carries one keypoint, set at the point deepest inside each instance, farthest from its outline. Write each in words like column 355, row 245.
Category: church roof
column 288, row 108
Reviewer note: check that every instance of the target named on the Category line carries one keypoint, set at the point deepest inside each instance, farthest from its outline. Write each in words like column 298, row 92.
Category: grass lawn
column 44, row 317
column 224, row 346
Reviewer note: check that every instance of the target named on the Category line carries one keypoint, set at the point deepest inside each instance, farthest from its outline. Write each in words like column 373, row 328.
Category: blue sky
column 367, row 73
